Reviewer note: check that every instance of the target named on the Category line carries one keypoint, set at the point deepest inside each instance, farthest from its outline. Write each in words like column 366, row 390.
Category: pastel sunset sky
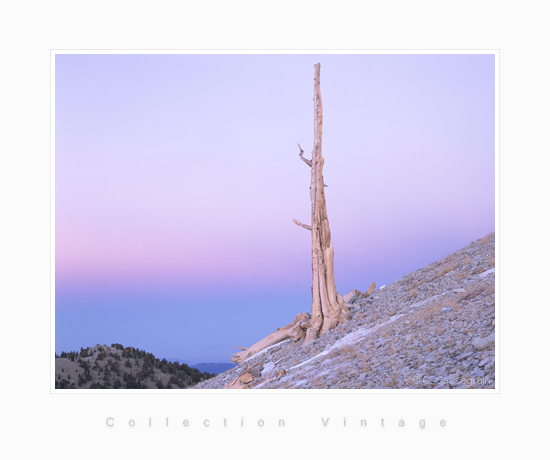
column 177, row 177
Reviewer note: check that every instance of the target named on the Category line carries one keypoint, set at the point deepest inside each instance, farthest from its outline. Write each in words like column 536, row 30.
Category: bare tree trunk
column 327, row 305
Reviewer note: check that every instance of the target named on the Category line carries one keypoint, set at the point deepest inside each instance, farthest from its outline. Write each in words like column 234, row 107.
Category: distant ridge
column 214, row 368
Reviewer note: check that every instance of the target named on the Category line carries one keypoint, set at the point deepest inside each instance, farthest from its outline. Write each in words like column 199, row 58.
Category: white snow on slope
column 360, row 334
column 264, row 350
column 484, row 274
column 349, row 339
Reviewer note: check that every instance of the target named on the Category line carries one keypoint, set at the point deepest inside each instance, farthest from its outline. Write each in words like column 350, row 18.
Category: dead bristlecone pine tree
column 327, row 305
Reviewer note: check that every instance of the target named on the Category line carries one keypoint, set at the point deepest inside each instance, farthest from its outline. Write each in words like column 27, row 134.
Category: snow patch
column 349, row 339
column 264, row 350
column 268, row 368
column 429, row 299
column 301, row 382
column 485, row 273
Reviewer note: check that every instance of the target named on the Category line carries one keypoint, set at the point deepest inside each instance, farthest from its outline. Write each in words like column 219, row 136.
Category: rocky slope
column 433, row 328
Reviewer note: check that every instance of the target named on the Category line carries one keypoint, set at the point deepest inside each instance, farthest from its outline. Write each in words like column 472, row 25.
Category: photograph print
column 260, row 221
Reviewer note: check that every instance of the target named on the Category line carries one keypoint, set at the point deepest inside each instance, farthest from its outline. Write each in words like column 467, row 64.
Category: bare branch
column 240, row 348
column 305, row 160
column 307, row 227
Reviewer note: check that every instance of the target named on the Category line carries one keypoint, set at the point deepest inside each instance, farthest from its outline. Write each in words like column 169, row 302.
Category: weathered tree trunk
column 327, row 305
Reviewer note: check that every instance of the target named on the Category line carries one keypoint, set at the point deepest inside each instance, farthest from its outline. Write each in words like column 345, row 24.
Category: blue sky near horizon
column 177, row 178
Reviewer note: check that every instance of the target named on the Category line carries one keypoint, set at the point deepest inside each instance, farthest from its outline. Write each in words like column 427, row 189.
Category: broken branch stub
column 371, row 288
column 307, row 227
column 305, row 160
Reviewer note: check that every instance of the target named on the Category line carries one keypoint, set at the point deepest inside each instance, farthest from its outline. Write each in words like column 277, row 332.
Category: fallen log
column 295, row 331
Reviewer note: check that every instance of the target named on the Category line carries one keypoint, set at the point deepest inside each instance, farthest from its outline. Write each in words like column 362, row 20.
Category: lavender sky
column 177, row 178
